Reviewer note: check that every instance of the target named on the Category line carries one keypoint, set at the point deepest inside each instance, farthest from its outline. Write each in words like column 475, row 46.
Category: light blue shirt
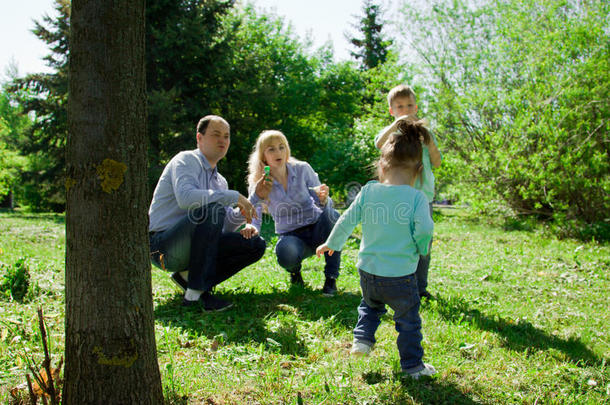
column 189, row 182
column 298, row 205
column 396, row 228
column 425, row 182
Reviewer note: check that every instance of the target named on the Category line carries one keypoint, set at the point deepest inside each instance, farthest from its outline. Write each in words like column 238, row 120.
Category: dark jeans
column 295, row 246
column 423, row 265
column 197, row 244
column 400, row 294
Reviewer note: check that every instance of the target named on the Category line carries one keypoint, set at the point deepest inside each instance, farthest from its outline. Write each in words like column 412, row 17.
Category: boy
column 403, row 106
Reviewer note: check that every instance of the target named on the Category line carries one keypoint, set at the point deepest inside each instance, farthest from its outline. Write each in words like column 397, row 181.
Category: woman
column 298, row 203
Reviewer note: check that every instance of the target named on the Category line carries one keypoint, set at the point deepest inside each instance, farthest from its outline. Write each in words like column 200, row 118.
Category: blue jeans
column 423, row 265
column 400, row 294
column 295, row 246
column 197, row 244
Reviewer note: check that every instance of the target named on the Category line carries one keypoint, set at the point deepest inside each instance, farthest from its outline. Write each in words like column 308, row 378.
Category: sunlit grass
column 520, row 317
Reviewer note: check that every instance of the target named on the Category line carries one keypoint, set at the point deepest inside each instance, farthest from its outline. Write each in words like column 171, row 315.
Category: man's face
column 214, row 144
column 403, row 106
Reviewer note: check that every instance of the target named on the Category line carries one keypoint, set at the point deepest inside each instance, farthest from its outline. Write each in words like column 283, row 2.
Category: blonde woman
column 299, row 204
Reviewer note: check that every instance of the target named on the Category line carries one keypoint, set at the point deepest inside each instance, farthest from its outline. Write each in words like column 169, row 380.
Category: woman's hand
column 323, row 249
column 264, row 186
column 249, row 231
column 322, row 192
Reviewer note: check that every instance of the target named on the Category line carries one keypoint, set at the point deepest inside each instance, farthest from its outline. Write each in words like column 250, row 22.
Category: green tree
column 13, row 126
column 273, row 82
column 518, row 93
column 186, row 55
column 44, row 95
column 372, row 47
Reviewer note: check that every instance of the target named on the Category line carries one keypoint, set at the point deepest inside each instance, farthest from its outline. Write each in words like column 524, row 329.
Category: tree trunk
column 110, row 346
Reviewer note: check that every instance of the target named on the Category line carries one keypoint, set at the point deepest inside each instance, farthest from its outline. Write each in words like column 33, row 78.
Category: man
column 192, row 222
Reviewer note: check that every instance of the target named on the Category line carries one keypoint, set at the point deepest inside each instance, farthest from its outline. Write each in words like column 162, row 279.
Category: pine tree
column 373, row 48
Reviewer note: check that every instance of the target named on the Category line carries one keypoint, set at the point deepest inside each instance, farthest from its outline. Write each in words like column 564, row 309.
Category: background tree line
column 516, row 92
column 205, row 57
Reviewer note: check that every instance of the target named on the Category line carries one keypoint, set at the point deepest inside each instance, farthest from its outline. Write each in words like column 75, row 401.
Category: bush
column 15, row 280
column 518, row 91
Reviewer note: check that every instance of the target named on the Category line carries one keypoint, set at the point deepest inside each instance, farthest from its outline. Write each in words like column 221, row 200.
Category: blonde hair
column 256, row 161
column 400, row 91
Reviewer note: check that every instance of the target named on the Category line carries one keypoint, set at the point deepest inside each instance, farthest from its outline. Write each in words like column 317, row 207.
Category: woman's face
column 275, row 154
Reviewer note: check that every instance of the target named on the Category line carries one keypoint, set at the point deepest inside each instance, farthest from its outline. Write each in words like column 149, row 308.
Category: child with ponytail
column 396, row 230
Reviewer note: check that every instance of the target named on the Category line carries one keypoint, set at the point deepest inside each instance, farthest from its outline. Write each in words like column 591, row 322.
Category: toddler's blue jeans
column 400, row 294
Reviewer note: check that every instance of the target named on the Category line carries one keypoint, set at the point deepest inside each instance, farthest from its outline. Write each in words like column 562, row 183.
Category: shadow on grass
column 270, row 318
column 518, row 336
column 433, row 391
column 426, row 390
column 34, row 216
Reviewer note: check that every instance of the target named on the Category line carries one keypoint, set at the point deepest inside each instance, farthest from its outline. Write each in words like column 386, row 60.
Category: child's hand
column 407, row 118
column 322, row 192
column 323, row 249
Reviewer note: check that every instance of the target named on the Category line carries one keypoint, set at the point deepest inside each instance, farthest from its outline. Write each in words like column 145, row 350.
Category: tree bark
column 110, row 348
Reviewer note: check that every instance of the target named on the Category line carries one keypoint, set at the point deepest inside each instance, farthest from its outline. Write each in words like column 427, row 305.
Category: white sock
column 192, row 295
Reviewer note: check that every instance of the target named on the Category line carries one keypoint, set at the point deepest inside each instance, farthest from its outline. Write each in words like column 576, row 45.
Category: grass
column 520, row 317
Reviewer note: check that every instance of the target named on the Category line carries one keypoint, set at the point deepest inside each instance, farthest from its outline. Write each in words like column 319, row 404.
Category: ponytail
column 404, row 148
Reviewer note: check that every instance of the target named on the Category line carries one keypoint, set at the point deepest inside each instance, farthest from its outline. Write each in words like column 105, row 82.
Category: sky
column 324, row 20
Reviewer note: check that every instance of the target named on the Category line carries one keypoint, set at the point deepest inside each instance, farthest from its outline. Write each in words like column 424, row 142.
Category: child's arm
column 343, row 228
column 385, row 133
column 435, row 153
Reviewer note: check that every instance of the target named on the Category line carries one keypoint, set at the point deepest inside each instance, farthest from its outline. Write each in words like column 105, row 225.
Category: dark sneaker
column 179, row 281
column 426, row 295
column 209, row 303
column 330, row 287
column 297, row 279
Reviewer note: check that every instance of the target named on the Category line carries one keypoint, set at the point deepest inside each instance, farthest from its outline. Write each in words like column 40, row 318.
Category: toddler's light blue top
column 396, row 228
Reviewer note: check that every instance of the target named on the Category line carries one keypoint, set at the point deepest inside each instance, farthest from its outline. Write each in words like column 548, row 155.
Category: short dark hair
column 203, row 123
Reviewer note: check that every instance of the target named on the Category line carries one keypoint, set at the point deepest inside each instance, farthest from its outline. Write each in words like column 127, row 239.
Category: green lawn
column 520, row 317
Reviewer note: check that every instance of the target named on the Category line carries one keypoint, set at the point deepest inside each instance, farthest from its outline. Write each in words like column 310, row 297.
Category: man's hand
column 246, row 208
column 249, row 231
column 322, row 192
column 264, row 186
column 323, row 249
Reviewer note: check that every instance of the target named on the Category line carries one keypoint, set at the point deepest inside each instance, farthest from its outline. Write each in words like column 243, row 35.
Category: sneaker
column 360, row 349
column 297, row 279
column 179, row 281
column 426, row 295
column 330, row 287
column 209, row 303
column 428, row 370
